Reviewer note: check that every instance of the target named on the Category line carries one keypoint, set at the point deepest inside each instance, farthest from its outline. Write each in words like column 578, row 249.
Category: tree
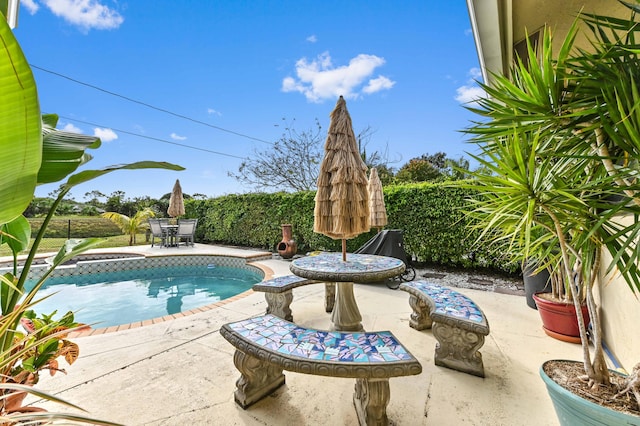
column 130, row 226
column 292, row 163
column 561, row 137
column 424, row 168
column 114, row 201
column 38, row 207
column 457, row 169
column 93, row 198
column 376, row 160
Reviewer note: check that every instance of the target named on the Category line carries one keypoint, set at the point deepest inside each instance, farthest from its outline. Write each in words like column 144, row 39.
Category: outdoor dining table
column 358, row 268
column 170, row 231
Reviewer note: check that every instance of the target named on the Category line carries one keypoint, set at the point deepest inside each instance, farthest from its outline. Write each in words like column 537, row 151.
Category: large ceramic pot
column 573, row 410
column 559, row 320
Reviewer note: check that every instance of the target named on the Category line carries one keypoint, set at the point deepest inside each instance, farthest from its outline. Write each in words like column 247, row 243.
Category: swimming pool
column 107, row 293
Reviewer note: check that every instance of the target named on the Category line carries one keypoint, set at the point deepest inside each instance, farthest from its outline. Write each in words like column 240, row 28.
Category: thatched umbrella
column 376, row 201
column 176, row 202
column 342, row 201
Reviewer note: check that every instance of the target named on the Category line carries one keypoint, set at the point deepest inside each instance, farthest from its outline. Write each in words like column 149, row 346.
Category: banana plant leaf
column 62, row 152
column 20, row 128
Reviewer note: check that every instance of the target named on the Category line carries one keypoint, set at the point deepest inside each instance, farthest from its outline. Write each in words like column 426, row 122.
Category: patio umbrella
column 342, row 201
column 376, row 201
column 176, row 202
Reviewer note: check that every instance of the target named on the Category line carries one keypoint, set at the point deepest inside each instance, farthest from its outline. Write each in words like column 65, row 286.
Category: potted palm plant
column 561, row 137
column 33, row 152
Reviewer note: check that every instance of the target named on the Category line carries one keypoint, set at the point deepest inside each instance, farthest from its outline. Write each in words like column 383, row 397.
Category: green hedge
column 431, row 215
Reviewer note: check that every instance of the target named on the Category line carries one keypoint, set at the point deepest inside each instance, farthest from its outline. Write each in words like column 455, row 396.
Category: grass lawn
column 76, row 227
column 53, row 244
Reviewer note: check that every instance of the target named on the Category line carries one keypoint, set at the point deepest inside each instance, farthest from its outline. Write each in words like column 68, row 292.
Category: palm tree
column 131, row 226
column 561, row 139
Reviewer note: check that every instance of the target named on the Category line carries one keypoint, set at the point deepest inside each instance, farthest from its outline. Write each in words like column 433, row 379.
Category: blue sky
column 198, row 79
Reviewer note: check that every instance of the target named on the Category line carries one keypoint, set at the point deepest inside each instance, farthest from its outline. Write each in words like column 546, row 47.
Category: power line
column 184, row 117
column 156, row 139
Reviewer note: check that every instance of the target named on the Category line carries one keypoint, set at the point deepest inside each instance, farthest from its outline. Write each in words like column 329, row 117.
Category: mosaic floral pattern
column 287, row 338
column 449, row 302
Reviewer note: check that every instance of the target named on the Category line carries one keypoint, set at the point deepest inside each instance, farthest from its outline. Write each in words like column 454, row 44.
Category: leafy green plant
column 561, row 140
column 131, row 225
column 43, row 342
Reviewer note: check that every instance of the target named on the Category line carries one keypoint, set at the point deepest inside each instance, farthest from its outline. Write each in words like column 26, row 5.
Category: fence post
column 69, row 230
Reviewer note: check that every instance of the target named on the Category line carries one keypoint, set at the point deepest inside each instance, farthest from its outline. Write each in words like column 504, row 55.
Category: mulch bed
column 567, row 374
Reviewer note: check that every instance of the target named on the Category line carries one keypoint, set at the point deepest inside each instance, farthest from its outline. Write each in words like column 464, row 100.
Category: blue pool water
column 113, row 298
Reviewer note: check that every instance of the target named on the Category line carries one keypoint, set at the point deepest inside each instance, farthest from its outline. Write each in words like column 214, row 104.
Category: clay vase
column 559, row 320
column 287, row 248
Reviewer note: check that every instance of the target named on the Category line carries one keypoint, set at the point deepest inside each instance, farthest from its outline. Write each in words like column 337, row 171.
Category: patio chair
column 186, row 231
column 157, row 231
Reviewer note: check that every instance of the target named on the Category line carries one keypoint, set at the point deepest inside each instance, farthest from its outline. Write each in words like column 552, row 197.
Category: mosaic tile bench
column 266, row 345
column 458, row 323
column 278, row 294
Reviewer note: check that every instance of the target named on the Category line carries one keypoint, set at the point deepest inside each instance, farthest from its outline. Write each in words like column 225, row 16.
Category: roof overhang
column 491, row 22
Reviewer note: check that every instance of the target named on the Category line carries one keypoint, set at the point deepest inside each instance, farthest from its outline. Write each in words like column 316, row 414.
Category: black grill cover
column 388, row 242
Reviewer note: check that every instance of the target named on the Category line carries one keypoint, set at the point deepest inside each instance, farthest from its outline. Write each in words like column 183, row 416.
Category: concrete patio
column 181, row 371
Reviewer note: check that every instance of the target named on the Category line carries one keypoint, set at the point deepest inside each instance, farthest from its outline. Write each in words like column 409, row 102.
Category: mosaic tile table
column 358, row 268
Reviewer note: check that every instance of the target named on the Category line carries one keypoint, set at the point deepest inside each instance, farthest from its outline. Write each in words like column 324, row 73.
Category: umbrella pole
column 344, row 250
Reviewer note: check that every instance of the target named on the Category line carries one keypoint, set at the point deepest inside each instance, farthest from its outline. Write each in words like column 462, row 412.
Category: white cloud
column 177, row 137
column 105, row 135
column 213, row 111
column 470, row 92
column 467, row 94
column 468, row 32
column 86, row 14
column 475, row 73
column 71, row 128
column 312, row 38
column 319, row 80
column 378, row 84
column 31, row 6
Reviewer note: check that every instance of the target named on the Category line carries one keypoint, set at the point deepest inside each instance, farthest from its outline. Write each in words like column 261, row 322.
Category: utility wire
column 155, row 139
column 149, row 105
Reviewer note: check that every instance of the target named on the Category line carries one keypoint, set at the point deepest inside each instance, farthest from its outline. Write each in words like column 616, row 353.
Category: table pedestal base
column 346, row 315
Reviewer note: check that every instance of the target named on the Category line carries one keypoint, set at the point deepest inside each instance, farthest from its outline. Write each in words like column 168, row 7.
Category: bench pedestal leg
column 258, row 379
column 371, row 398
column 279, row 304
column 329, row 296
column 420, row 317
column 458, row 349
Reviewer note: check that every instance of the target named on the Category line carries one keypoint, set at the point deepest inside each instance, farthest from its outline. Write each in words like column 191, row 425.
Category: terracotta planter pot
column 559, row 320
column 287, row 248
